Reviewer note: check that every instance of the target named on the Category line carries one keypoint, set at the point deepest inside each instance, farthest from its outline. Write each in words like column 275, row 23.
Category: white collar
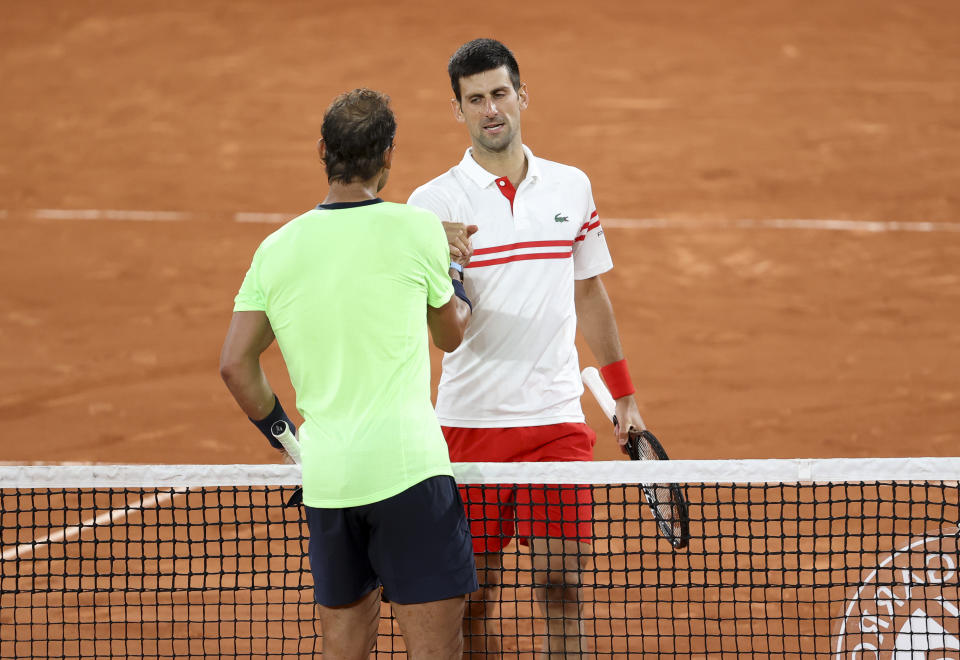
column 484, row 179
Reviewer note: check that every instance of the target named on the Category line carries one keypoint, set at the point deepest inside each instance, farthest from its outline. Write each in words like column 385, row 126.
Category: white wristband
column 457, row 267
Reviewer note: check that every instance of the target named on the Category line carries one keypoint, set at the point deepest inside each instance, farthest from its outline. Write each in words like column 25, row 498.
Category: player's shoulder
column 409, row 213
column 286, row 231
column 556, row 170
column 408, row 222
column 440, row 188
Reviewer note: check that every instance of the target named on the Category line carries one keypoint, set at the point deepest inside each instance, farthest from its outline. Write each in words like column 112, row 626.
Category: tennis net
column 836, row 558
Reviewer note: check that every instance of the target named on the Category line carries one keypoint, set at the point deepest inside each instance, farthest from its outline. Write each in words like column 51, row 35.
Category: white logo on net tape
column 908, row 607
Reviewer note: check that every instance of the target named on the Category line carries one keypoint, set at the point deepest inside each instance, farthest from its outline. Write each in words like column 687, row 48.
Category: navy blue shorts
column 416, row 544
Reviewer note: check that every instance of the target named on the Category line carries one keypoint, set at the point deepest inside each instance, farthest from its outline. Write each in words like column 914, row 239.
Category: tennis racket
column 666, row 501
column 281, row 431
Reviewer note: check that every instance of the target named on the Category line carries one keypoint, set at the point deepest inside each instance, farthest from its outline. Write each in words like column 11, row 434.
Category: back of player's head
column 478, row 56
column 357, row 130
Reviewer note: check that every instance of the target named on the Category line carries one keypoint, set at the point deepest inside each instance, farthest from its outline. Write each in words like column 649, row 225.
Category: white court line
column 274, row 218
column 110, row 214
column 647, row 223
column 851, row 225
column 70, row 533
column 21, row 463
column 268, row 218
column 822, row 224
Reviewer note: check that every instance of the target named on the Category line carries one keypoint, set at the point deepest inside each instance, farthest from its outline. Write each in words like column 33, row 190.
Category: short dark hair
column 357, row 129
column 478, row 56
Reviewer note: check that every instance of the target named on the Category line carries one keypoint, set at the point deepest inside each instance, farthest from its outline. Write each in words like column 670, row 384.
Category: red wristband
column 617, row 377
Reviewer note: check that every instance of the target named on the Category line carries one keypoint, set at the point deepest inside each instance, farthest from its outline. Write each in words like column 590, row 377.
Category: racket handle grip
column 281, row 431
column 591, row 378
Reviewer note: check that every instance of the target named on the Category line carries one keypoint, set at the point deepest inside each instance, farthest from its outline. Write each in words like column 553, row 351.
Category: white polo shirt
column 518, row 365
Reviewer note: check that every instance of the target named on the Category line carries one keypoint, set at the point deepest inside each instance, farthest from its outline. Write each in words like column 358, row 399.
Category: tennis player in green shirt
column 349, row 290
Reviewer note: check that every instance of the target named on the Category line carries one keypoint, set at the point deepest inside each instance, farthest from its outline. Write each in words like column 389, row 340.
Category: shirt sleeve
column 591, row 256
column 437, row 264
column 251, row 298
column 429, row 198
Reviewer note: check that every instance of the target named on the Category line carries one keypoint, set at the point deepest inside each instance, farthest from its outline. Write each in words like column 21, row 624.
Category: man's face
column 491, row 107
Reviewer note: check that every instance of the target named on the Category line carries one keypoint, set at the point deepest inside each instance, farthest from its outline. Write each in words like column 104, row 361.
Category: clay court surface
column 195, row 124
column 745, row 342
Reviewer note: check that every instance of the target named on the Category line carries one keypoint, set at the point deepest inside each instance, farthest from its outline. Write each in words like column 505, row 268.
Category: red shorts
column 497, row 513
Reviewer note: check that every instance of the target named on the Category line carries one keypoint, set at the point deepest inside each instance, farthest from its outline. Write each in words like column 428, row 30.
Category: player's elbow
column 449, row 336
column 448, row 324
column 228, row 373
column 446, row 346
column 231, row 369
column 448, row 341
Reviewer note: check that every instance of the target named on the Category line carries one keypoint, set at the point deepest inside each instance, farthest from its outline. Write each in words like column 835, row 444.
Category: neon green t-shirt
column 346, row 288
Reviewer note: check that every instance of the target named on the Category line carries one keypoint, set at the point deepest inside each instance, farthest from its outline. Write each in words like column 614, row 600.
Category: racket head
column 667, row 501
column 644, row 446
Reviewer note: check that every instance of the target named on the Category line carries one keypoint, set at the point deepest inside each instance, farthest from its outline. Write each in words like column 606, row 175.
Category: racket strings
column 666, row 500
column 669, row 511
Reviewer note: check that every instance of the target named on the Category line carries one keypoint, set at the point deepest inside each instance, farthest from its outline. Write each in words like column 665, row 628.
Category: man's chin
column 494, row 146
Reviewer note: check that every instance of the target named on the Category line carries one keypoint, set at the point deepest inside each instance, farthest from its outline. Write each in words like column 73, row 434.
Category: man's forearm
column 447, row 324
column 599, row 327
column 249, row 386
column 596, row 320
column 248, row 336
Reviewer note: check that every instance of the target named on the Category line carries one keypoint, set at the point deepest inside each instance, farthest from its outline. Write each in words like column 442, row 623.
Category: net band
column 794, row 470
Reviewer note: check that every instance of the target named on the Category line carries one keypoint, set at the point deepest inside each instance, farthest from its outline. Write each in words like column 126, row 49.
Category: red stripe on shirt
column 586, row 228
column 515, row 246
column 586, row 224
column 522, row 257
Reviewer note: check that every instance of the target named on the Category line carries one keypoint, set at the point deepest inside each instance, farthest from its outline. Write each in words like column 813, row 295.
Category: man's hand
column 628, row 419
column 458, row 237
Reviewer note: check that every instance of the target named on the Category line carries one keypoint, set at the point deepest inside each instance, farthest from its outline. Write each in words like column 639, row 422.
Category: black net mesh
column 825, row 570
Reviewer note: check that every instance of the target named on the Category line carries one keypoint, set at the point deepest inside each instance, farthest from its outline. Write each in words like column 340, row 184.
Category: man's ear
column 321, row 148
column 388, row 155
column 457, row 110
column 524, row 96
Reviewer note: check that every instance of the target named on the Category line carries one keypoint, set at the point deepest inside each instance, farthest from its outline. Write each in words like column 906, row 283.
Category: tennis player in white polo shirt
column 511, row 391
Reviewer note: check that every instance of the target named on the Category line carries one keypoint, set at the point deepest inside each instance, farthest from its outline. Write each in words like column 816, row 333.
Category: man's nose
column 489, row 108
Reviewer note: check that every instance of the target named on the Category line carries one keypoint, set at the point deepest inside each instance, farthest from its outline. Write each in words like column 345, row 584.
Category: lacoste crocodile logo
column 559, row 218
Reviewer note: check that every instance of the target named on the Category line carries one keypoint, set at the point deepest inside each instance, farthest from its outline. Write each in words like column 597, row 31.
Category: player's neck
column 511, row 162
column 355, row 191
